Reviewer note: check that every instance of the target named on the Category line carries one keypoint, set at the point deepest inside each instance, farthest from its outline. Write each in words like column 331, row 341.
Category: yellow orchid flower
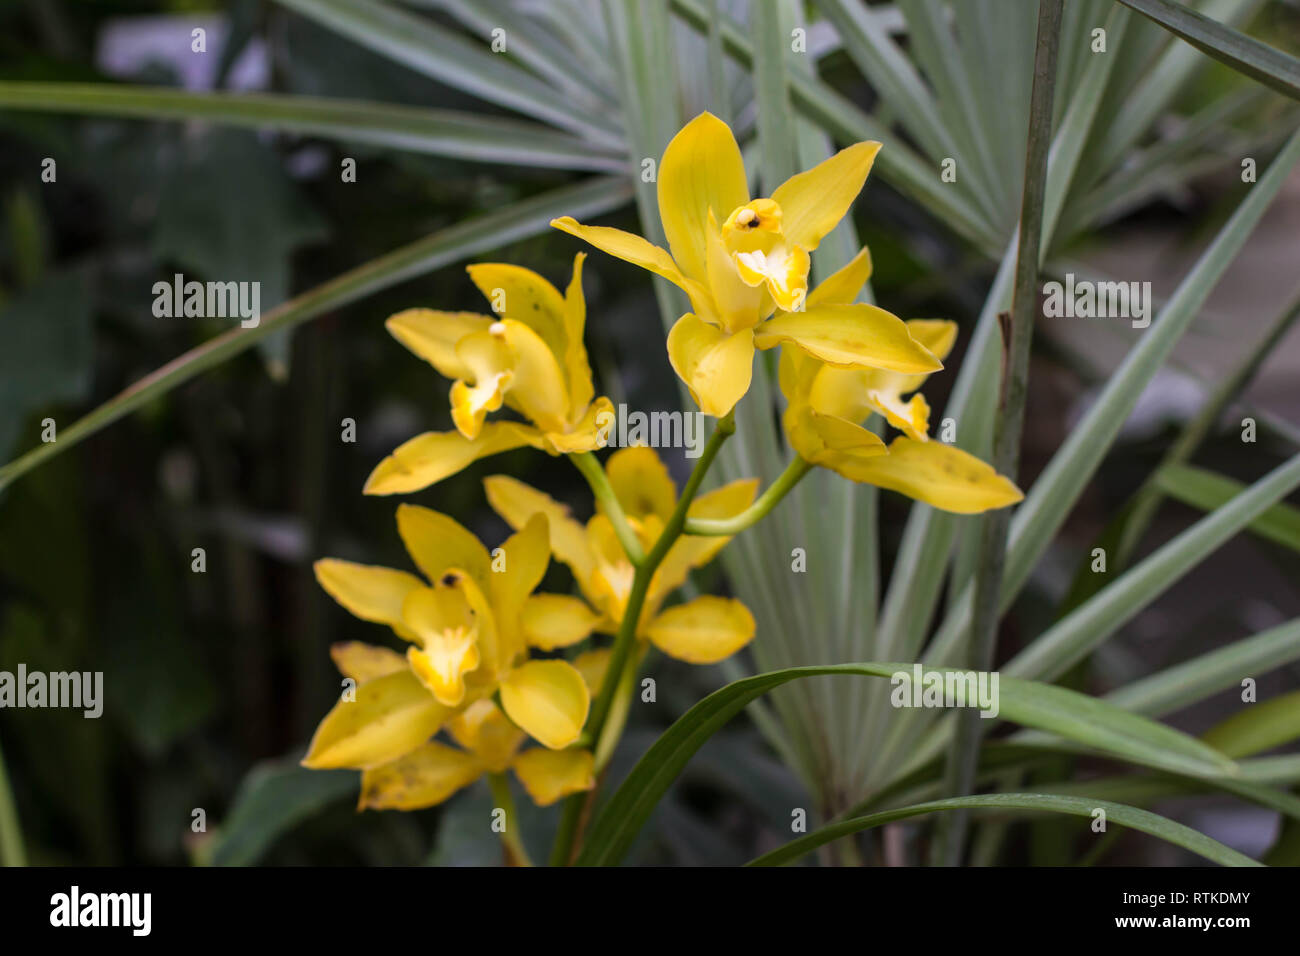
column 529, row 357
column 754, row 264
column 464, row 624
column 490, row 743
column 826, row 407
column 701, row 631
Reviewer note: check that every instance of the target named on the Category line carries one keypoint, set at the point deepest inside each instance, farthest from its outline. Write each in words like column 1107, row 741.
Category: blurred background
column 215, row 680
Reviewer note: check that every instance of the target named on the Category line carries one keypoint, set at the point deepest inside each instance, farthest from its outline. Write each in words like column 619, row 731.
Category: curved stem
column 511, row 838
column 11, row 834
column 768, row 500
column 591, row 469
column 621, row 653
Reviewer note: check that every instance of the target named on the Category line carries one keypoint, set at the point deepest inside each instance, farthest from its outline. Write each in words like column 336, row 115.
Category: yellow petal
column 850, row 336
column 936, row 335
column 433, row 456
column 716, row 365
column 627, row 246
column 641, row 482
column 438, row 544
column 523, row 295
column 784, row 267
column 938, row 474
column 689, row 552
column 441, row 619
column 423, row 778
column 795, row 374
column 613, row 574
column 484, row 729
column 703, row 631
column 587, row 434
column 522, row 564
column 830, row 441
column 911, row 417
column 844, row 286
column 548, row 775
column 577, row 369
column 363, row 662
column 557, row 620
column 701, row 170
column 593, row 665
column 433, row 335
column 737, row 301
column 371, row 593
column 537, row 386
column 391, row 716
column 547, row 699
column 516, row 502
column 490, row 363
column 814, row 201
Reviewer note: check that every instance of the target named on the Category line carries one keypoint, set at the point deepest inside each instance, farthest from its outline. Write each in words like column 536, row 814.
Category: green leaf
column 438, row 132
column 1186, row 683
column 1143, row 820
column 453, row 244
column 1209, row 491
column 46, row 350
column 271, row 800
column 1064, row 712
column 443, row 55
column 1259, row 727
column 1058, row 487
column 1245, row 54
column 1081, row 631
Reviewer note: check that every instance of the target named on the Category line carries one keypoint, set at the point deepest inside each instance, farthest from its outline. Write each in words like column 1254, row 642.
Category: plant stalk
column 964, row 756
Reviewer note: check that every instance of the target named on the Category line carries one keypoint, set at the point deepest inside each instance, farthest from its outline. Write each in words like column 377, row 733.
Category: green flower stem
column 511, row 838
column 617, row 720
column 591, row 469
column 11, row 833
column 768, row 500
column 963, row 757
column 621, row 655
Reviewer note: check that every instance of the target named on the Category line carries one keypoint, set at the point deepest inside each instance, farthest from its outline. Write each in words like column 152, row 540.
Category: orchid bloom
column 463, row 622
column 826, row 407
column 490, row 743
column 701, row 631
column 744, row 264
column 529, row 357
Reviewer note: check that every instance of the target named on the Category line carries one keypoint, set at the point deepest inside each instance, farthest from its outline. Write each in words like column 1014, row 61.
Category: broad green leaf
column 1243, row 53
column 1064, row 712
column 438, row 132
column 273, row 798
column 1143, row 820
column 453, row 244
column 1208, row 491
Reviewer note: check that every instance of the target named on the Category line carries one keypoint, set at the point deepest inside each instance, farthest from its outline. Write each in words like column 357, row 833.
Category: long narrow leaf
column 424, row 46
column 438, row 132
column 1143, row 820
column 1080, row 632
column 1208, row 491
column 1245, row 54
column 517, row 221
column 1059, row 711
